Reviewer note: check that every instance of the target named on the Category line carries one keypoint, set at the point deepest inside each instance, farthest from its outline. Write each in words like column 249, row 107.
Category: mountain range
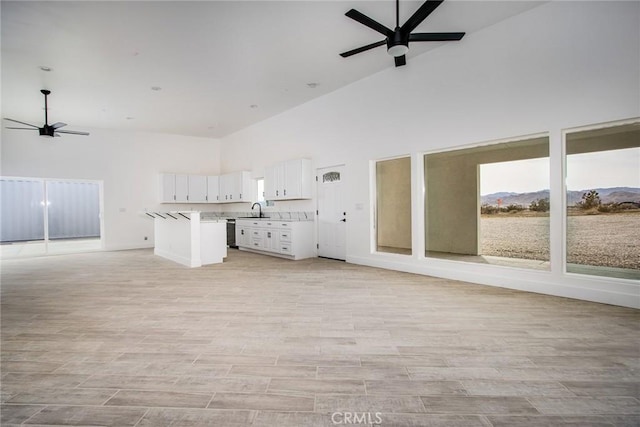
column 607, row 195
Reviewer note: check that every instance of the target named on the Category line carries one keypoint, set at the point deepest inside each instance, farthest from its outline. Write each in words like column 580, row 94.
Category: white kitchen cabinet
column 197, row 189
column 288, row 180
column 270, row 183
column 235, row 187
column 242, row 234
column 182, row 188
column 213, row 189
column 167, row 187
column 174, row 188
column 284, row 239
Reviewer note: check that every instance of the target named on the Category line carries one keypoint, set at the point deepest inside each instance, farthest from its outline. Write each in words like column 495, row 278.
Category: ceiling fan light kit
column 46, row 130
column 397, row 41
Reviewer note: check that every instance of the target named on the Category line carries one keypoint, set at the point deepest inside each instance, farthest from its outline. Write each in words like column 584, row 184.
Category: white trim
column 589, row 288
column 44, row 181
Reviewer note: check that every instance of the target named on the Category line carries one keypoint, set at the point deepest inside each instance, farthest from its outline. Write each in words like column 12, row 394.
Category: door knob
column 343, row 220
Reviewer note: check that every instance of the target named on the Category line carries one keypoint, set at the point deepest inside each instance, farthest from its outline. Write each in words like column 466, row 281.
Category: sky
column 604, row 169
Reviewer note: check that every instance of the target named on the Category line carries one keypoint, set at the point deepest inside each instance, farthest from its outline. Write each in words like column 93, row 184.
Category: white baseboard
column 621, row 292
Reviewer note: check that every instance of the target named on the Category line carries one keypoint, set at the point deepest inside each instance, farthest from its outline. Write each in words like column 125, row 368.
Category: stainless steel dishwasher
column 231, row 233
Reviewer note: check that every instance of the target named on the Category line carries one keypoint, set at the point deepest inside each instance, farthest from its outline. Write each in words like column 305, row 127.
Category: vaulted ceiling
column 201, row 68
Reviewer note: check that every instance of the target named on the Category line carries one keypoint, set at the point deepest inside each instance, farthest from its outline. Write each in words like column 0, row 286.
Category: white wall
column 560, row 65
column 128, row 163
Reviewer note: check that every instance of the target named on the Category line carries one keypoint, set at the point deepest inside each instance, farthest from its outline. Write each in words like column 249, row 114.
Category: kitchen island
column 188, row 239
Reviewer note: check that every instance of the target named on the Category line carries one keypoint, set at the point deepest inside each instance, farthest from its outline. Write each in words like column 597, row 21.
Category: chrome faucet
column 259, row 209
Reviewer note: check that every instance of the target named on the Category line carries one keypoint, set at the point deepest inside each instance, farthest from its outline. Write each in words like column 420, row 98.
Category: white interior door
column 332, row 213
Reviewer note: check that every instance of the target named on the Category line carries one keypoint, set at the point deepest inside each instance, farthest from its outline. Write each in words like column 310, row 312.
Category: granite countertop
column 274, row 219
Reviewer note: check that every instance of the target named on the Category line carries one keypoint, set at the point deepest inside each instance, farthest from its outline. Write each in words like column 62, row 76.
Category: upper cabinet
column 288, row 180
column 197, row 189
column 235, row 187
column 182, row 188
column 213, row 189
column 167, row 187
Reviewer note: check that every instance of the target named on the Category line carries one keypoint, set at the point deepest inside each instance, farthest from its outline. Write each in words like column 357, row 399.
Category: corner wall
column 557, row 66
column 128, row 163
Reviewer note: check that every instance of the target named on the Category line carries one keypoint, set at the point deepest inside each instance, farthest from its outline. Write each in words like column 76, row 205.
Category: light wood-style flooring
column 130, row 339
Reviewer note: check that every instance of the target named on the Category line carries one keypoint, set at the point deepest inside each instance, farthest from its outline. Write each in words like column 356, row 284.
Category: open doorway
column 489, row 204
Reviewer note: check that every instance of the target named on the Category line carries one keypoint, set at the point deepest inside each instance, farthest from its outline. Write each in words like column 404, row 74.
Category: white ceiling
column 213, row 60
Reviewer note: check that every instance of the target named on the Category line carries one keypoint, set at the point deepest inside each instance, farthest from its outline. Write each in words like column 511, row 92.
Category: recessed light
column 312, row 85
column 129, row 118
column 45, row 68
column 156, row 88
column 253, row 106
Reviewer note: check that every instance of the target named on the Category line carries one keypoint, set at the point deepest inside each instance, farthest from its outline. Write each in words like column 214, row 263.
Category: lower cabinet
column 286, row 239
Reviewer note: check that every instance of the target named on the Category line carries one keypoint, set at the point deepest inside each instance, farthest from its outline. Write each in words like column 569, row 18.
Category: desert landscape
column 602, row 239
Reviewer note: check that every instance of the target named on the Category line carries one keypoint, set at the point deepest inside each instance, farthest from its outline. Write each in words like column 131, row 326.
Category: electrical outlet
column 146, row 238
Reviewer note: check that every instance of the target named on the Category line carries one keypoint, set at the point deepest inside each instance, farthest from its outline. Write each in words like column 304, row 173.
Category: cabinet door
column 297, row 179
column 272, row 237
column 292, row 174
column 225, row 186
column 234, row 183
column 197, row 188
column 167, row 187
column 182, row 188
column 242, row 236
column 213, row 189
column 244, row 186
column 280, row 181
column 270, row 183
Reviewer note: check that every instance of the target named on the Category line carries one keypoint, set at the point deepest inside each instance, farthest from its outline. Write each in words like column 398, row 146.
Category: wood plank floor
column 130, row 339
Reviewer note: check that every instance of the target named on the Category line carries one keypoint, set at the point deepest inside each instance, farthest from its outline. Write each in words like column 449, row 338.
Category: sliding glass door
column 41, row 216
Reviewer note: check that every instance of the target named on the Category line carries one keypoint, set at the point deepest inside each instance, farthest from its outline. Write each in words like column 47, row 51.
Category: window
column 393, row 206
column 260, row 188
column 41, row 216
column 22, row 204
column 603, row 201
column 489, row 204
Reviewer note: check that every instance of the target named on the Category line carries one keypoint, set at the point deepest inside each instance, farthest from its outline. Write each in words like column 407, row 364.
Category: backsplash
column 298, row 216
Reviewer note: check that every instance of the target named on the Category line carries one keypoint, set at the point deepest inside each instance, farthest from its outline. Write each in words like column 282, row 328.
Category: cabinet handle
column 217, row 197
column 277, row 192
column 241, row 195
column 187, row 197
column 206, row 197
column 285, row 191
column 269, row 234
column 242, row 232
column 231, row 197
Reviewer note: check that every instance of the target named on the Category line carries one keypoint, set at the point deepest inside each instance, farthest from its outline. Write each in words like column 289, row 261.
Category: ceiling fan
column 47, row 129
column 397, row 41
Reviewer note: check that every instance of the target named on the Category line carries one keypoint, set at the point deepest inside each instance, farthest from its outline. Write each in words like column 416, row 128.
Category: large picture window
column 393, row 206
column 603, row 201
column 489, row 204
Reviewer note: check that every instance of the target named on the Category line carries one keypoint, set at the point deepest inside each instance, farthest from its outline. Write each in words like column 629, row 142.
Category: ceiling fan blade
column 8, row 127
column 73, row 132
column 58, row 125
column 400, row 60
column 435, row 37
column 362, row 49
column 22, row 123
column 420, row 15
column 56, row 134
column 365, row 20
